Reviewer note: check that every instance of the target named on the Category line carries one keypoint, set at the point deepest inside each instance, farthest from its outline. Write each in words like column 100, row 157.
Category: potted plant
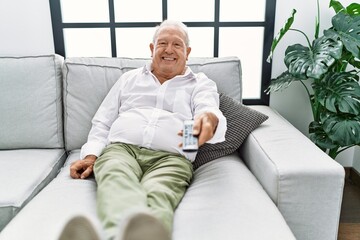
column 331, row 63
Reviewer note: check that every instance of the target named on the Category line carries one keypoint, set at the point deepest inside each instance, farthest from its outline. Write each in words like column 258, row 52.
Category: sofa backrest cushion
column 31, row 102
column 88, row 80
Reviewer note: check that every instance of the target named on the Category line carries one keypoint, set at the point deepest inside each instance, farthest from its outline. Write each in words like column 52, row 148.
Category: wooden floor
column 349, row 228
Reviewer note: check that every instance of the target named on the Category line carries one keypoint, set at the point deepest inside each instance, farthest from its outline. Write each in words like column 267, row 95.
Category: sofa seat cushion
column 224, row 201
column 23, row 174
column 62, row 198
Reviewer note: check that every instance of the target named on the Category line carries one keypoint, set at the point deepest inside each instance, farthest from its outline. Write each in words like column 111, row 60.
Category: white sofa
column 277, row 186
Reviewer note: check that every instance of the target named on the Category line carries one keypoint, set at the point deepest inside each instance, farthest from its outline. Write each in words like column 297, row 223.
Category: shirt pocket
column 183, row 104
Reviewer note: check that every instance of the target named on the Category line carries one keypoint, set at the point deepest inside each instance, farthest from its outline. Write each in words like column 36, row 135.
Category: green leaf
column 336, row 5
column 339, row 92
column 281, row 33
column 355, row 63
column 319, row 137
column 304, row 62
column 347, row 29
column 317, row 27
column 317, row 20
column 346, row 59
column 281, row 82
column 353, row 9
column 342, row 129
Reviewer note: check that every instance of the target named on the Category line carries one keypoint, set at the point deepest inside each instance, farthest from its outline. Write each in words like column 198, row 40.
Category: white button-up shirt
column 139, row 110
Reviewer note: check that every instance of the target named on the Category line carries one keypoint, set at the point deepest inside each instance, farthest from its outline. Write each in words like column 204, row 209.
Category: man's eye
column 178, row 45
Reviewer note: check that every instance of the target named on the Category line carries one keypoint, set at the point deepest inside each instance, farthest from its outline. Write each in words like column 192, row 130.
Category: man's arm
column 209, row 122
column 103, row 119
column 97, row 138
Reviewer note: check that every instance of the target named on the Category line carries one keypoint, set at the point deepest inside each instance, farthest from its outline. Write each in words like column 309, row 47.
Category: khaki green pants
column 130, row 177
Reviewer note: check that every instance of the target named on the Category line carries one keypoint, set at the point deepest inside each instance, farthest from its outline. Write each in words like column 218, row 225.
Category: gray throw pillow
column 241, row 121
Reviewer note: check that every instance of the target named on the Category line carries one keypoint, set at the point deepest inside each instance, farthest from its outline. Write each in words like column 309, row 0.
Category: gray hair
column 171, row 23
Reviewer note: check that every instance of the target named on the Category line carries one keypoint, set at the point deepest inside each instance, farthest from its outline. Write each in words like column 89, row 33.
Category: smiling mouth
column 168, row 59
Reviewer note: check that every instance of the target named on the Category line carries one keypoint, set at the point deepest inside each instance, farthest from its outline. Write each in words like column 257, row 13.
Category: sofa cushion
column 88, row 80
column 62, row 198
column 30, row 102
column 241, row 121
column 225, row 72
column 86, row 83
column 23, row 173
column 224, row 201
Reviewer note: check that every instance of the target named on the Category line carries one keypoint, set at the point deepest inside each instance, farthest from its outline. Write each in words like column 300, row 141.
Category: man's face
column 169, row 53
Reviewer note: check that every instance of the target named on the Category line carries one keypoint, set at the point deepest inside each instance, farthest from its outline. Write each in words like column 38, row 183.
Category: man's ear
column 188, row 50
column 151, row 45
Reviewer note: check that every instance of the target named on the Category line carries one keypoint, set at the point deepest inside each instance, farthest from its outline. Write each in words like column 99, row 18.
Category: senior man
column 134, row 145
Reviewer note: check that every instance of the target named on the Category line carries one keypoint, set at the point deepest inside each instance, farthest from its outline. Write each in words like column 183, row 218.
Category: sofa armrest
column 304, row 182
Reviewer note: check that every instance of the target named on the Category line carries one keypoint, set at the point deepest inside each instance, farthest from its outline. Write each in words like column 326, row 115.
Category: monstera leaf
column 336, row 5
column 281, row 82
column 342, row 129
column 346, row 29
column 334, row 94
column 304, row 62
column 282, row 32
column 353, row 9
column 339, row 92
column 319, row 136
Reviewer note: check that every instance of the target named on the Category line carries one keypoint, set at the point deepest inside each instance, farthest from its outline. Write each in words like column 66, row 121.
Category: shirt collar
column 188, row 72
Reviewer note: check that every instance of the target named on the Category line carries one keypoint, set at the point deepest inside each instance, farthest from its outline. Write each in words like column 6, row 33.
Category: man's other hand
column 82, row 168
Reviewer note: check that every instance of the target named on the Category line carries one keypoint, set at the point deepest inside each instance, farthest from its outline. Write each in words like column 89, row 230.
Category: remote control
column 190, row 142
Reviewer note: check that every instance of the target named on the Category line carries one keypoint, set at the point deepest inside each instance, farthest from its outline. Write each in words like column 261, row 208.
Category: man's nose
column 169, row 48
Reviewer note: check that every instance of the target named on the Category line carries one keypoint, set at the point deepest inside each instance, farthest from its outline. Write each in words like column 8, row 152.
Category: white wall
column 293, row 102
column 25, row 29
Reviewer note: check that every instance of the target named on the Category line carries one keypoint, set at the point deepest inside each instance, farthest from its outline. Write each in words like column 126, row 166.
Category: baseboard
column 354, row 176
